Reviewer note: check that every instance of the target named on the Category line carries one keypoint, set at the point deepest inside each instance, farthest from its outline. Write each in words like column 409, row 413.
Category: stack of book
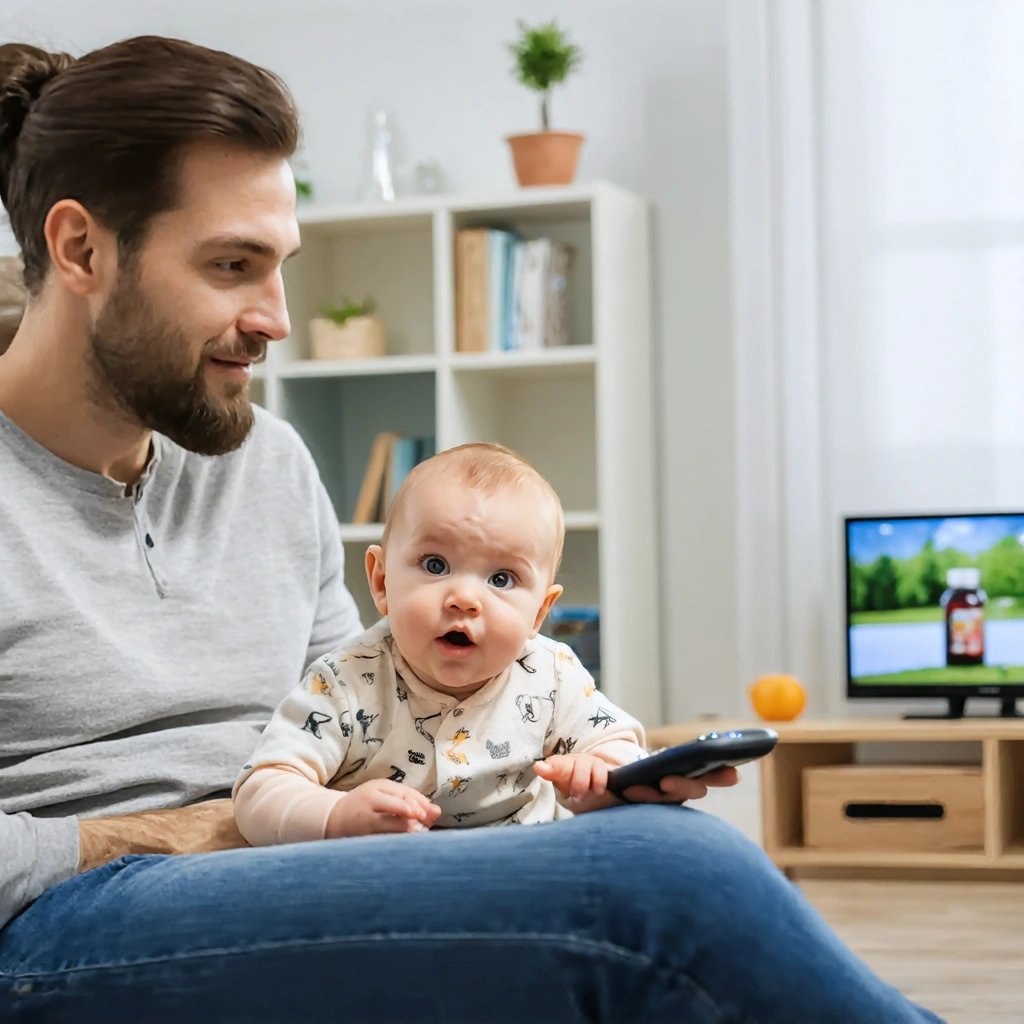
column 392, row 456
column 509, row 293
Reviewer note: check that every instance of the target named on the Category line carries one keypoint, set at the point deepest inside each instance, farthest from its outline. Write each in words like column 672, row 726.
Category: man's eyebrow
column 253, row 245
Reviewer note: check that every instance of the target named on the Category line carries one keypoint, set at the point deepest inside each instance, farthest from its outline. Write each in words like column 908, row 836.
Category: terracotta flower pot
column 545, row 158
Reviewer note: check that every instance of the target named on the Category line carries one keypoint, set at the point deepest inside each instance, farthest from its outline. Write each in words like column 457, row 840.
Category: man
column 169, row 562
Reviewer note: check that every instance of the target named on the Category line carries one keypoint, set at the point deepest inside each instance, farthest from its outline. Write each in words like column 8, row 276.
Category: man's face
column 194, row 308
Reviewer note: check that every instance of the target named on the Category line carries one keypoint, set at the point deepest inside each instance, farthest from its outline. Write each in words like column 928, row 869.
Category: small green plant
column 348, row 309
column 544, row 57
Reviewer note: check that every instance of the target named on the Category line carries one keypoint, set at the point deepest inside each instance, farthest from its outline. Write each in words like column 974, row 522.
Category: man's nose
column 267, row 317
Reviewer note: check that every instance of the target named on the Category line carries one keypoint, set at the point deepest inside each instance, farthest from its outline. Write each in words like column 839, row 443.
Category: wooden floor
column 955, row 947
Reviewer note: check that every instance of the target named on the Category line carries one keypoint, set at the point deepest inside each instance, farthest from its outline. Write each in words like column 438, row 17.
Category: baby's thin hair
column 488, row 467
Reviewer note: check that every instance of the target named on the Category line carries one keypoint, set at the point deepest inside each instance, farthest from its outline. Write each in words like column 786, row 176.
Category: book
column 472, row 322
column 367, row 508
column 402, row 456
column 427, row 448
column 557, row 325
column 542, row 295
column 499, row 251
column 512, row 279
column 515, row 293
column 529, row 333
column 392, row 458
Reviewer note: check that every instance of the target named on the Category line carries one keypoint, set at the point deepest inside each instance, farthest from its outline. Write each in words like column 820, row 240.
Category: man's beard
column 141, row 366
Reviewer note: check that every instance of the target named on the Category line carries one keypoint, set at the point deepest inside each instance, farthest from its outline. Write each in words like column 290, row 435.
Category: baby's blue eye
column 502, row 580
column 435, row 566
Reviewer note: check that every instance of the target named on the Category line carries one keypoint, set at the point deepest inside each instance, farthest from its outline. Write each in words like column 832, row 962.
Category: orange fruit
column 777, row 698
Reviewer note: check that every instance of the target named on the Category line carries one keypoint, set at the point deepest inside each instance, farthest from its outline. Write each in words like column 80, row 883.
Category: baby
column 452, row 711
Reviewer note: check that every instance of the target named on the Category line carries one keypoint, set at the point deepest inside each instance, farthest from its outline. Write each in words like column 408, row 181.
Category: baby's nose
column 464, row 597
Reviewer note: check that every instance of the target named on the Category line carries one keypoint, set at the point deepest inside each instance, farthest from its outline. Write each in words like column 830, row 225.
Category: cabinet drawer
column 861, row 807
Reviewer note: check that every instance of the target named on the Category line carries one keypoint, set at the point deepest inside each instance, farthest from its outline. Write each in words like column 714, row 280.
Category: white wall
column 652, row 102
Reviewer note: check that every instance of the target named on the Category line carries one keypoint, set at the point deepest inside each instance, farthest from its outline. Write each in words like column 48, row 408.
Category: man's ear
column 553, row 594
column 82, row 252
column 375, row 577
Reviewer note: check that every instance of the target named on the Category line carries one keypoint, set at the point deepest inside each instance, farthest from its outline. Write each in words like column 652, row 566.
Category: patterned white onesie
column 361, row 713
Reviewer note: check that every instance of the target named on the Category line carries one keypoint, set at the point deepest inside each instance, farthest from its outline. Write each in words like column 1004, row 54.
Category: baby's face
column 467, row 579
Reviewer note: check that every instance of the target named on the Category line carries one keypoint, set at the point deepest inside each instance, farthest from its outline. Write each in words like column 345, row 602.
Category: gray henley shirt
column 147, row 634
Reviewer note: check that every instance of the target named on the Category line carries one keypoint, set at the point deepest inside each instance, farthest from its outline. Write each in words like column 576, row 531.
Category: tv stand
column 979, row 780
column 955, row 709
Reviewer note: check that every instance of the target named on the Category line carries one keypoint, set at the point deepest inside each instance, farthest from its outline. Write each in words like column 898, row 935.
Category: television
column 935, row 608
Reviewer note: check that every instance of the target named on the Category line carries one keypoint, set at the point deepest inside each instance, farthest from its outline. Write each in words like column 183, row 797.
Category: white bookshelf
column 582, row 413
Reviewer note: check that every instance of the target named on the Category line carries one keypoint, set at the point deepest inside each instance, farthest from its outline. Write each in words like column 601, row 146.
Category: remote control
column 706, row 754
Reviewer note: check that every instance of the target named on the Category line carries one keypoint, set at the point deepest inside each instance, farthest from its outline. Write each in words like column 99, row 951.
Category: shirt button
column 149, row 541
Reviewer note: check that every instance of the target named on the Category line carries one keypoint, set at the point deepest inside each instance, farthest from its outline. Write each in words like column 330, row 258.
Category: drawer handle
column 898, row 811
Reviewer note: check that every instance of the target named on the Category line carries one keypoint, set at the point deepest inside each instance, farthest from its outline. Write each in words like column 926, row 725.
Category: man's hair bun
column 25, row 71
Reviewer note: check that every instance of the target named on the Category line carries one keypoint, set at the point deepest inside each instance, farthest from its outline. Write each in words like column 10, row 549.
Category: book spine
column 557, row 321
column 471, row 287
column 512, row 248
column 515, row 302
column 367, row 508
column 530, row 335
column 497, row 254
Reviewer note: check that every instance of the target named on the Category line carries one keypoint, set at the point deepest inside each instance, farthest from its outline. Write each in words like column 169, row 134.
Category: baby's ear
column 375, row 577
column 553, row 594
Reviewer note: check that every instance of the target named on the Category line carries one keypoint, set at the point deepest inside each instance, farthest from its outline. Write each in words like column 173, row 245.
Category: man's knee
column 661, row 840
column 663, row 873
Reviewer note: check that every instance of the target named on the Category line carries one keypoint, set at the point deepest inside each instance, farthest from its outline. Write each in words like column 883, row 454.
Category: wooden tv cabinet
column 993, row 745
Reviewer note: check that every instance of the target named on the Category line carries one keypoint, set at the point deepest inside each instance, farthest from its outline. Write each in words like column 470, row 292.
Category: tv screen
column 935, row 603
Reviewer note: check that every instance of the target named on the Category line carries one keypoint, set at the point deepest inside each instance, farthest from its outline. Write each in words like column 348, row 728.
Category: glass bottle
column 964, row 606
column 381, row 187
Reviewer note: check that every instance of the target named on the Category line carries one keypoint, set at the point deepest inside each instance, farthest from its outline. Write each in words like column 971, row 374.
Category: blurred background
column 837, row 249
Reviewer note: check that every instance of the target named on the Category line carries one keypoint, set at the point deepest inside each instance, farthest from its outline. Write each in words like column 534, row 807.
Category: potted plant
column 348, row 331
column 543, row 58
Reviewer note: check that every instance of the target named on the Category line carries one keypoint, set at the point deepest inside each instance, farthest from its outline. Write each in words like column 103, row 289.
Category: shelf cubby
column 548, row 418
column 338, row 418
column 392, row 263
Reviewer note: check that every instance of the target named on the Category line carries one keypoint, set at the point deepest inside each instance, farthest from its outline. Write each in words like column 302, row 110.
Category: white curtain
column 892, row 350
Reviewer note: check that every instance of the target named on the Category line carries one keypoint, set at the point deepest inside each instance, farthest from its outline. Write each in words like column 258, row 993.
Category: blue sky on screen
column 904, row 538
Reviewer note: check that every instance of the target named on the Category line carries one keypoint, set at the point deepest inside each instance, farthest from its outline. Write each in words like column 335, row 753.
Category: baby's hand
column 581, row 777
column 381, row 805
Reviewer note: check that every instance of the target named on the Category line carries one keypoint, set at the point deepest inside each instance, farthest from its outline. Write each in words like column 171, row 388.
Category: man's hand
column 675, row 789
column 583, row 778
column 198, row 828
column 381, row 806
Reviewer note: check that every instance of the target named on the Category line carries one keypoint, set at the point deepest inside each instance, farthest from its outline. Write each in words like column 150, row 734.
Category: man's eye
column 232, row 266
column 435, row 566
column 502, row 580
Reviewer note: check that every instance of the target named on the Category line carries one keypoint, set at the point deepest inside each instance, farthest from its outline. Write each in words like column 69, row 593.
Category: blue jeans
column 631, row 914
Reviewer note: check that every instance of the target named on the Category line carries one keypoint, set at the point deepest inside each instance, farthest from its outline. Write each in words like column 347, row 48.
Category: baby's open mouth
column 457, row 638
